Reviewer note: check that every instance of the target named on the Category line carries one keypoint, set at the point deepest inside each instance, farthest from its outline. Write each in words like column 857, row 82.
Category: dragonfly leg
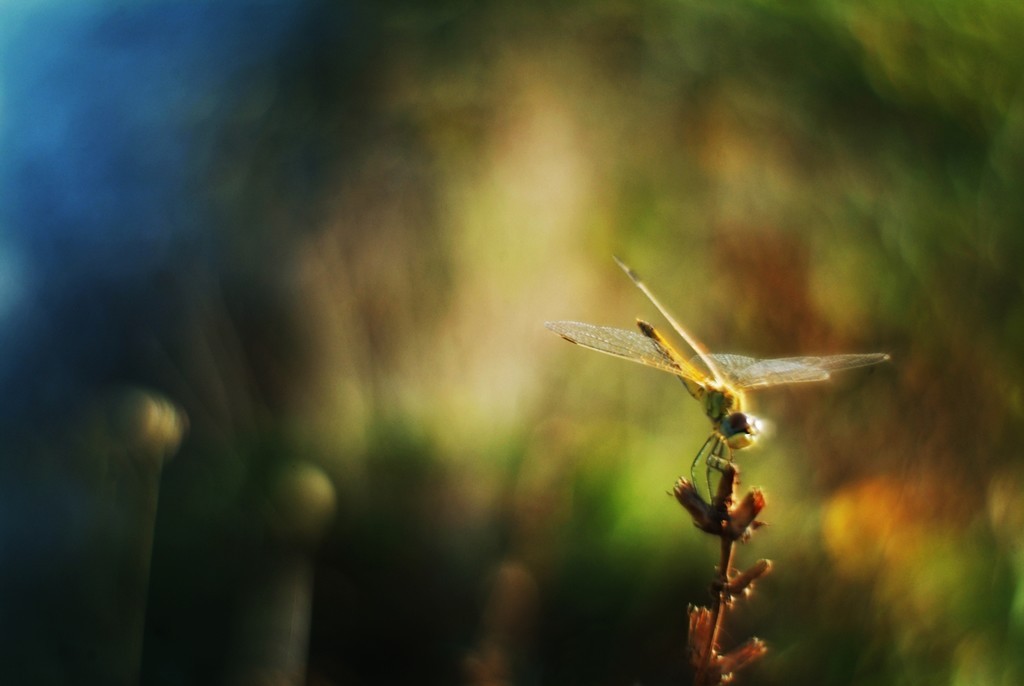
column 707, row 471
column 699, row 455
column 717, row 460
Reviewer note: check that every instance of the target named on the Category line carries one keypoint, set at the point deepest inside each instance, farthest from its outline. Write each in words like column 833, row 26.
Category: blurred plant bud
column 705, row 517
column 742, row 516
column 302, row 504
column 741, row 583
column 700, row 633
column 740, row 657
column 142, row 423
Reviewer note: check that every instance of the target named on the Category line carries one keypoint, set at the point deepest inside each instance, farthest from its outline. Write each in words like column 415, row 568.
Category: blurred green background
column 329, row 234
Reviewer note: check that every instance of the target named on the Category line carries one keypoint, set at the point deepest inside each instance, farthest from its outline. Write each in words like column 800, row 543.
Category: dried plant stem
column 720, row 504
column 730, row 521
column 718, row 606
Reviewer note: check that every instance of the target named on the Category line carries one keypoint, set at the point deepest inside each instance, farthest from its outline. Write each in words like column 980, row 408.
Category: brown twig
column 731, row 521
column 717, row 613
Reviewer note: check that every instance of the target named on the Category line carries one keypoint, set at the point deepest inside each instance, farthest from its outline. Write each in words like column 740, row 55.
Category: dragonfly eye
column 740, row 430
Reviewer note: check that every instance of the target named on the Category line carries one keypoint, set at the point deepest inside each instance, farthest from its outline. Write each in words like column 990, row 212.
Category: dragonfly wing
column 706, row 359
column 748, row 372
column 625, row 344
column 732, row 366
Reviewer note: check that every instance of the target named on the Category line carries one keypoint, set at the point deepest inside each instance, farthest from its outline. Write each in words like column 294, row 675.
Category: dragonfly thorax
column 719, row 403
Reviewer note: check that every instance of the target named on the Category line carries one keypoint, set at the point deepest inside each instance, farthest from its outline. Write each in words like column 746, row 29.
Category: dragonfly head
column 740, row 430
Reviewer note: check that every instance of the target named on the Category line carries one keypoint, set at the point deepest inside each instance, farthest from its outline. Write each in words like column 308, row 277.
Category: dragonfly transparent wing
column 627, row 345
column 707, row 361
column 747, row 372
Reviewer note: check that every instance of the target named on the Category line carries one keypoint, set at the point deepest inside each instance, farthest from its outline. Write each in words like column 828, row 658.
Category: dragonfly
column 718, row 381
